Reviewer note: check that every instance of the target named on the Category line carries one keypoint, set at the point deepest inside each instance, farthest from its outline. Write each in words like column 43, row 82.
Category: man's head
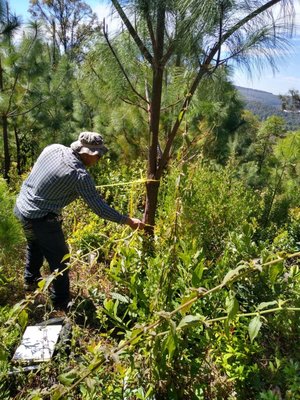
column 90, row 147
column 90, row 143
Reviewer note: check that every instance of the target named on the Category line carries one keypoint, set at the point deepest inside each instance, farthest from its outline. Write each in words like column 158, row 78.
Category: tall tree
column 68, row 22
column 291, row 101
column 202, row 36
column 270, row 131
column 8, row 24
column 23, row 65
column 217, row 111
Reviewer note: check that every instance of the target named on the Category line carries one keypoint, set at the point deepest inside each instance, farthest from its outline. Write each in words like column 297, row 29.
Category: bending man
column 58, row 177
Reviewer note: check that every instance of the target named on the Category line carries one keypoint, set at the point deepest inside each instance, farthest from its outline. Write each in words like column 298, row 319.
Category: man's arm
column 87, row 190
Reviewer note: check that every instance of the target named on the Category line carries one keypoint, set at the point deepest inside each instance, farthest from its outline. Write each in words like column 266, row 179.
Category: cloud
column 291, row 80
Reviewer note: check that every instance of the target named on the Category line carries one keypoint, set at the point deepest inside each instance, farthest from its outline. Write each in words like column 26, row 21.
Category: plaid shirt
column 57, row 178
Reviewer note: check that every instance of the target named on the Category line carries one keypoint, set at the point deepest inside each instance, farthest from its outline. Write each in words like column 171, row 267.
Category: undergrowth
column 212, row 312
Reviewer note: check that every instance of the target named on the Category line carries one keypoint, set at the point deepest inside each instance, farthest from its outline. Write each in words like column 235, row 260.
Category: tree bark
column 18, row 148
column 152, row 186
column 6, row 166
column 6, row 148
column 152, row 189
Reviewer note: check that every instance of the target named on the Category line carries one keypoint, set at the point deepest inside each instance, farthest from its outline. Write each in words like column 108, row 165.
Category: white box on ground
column 38, row 343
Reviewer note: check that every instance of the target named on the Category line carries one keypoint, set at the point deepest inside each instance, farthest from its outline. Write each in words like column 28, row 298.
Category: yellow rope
column 128, row 183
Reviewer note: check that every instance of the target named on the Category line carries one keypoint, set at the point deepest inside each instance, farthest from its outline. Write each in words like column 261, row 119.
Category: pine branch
column 150, row 27
column 17, row 114
column 127, row 101
column 133, row 32
column 121, row 66
column 166, row 153
column 204, row 69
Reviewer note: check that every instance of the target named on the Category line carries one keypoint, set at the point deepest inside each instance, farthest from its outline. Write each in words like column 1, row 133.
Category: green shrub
column 211, row 204
column 10, row 230
column 11, row 239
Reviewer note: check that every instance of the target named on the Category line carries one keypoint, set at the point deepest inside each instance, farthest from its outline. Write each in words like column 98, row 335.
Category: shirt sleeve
column 87, row 190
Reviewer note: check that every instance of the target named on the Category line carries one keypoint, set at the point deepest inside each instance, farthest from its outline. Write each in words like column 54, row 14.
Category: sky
column 286, row 77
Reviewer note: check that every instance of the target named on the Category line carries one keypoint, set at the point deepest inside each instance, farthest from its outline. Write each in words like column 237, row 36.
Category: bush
column 10, row 230
column 11, row 237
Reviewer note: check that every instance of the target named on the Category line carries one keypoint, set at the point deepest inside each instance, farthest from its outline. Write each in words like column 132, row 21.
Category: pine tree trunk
column 152, row 187
column 4, row 133
column 18, row 148
column 6, row 148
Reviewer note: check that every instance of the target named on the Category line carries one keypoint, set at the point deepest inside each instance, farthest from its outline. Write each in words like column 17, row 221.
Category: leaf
column 171, row 344
column 120, row 297
column 164, row 314
column 281, row 302
column 91, row 383
column 68, row 378
column 197, row 274
column 42, row 283
column 266, row 304
column 226, row 328
column 254, row 327
column 116, row 309
column 172, row 325
column 275, row 270
column 66, row 257
column 180, row 115
column 150, row 391
column 139, row 394
column 232, row 305
column 23, row 319
column 36, row 396
column 49, row 280
column 186, row 300
column 109, row 305
column 233, row 273
column 3, row 355
column 189, row 320
column 111, row 309
column 57, row 393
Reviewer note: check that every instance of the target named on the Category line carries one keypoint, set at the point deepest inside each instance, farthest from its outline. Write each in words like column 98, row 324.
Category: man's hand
column 135, row 223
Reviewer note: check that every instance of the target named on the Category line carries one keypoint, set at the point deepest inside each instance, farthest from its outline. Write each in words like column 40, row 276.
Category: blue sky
column 287, row 77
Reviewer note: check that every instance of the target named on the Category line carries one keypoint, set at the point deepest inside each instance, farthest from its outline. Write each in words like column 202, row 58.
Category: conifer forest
column 204, row 302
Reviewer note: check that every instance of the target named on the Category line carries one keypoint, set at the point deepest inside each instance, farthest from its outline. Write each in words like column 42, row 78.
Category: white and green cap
column 89, row 143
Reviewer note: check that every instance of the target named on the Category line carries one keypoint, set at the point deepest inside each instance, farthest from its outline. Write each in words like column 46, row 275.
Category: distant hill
column 264, row 104
column 254, row 95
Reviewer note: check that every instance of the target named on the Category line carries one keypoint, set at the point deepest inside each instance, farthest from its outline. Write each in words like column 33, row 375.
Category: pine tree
column 202, row 36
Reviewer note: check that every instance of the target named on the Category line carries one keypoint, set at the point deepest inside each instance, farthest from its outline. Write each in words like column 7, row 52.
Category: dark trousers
column 45, row 239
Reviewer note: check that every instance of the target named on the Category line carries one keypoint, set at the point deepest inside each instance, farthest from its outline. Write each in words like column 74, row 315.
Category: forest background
column 205, row 304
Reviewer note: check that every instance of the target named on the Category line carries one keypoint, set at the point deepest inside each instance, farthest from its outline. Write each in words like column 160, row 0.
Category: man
column 58, row 177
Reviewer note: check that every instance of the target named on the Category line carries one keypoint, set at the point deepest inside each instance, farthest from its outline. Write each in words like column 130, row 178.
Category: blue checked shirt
column 57, row 178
